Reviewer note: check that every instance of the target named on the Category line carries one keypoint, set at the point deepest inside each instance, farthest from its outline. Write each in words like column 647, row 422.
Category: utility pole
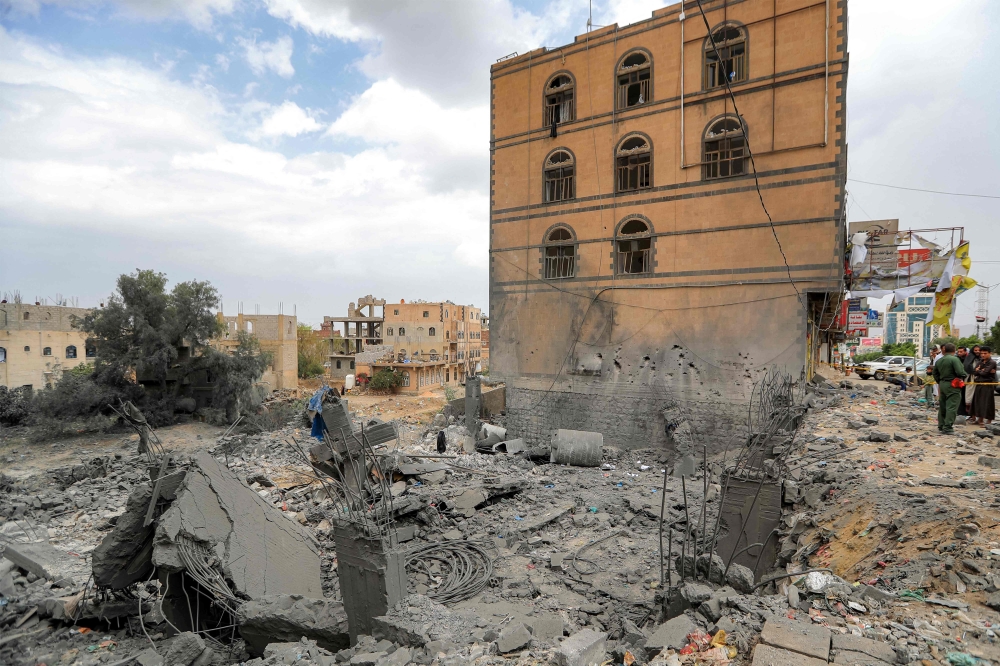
column 982, row 312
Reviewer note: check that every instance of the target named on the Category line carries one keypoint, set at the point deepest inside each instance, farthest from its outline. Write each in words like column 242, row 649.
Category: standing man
column 962, row 354
column 946, row 370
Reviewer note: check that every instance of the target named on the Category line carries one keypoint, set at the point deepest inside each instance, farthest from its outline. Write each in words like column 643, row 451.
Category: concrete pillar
column 372, row 576
column 473, row 398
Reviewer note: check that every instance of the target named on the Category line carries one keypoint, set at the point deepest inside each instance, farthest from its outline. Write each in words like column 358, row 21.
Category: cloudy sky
column 308, row 152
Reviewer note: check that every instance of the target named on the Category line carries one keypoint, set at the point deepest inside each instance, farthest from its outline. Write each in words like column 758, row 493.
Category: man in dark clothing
column 963, row 354
column 948, row 368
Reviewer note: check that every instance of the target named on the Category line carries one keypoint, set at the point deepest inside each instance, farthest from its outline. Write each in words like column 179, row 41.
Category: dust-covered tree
column 312, row 352
column 235, row 374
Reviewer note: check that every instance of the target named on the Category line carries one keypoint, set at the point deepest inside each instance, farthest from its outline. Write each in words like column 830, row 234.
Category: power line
column 753, row 165
column 917, row 189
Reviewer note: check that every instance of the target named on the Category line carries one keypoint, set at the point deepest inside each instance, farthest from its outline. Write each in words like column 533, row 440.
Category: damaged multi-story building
column 39, row 341
column 277, row 334
column 638, row 286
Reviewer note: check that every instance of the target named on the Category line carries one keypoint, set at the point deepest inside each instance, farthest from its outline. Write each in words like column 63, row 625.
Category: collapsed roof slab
column 260, row 550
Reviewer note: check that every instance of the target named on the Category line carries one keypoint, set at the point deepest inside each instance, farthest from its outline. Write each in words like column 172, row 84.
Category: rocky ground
column 905, row 519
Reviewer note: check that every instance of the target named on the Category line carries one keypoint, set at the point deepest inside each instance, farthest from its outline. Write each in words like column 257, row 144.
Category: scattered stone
column 287, row 618
column 514, row 637
column 877, row 436
column 899, row 437
column 989, row 461
column 583, row 648
column 983, row 434
column 741, row 578
column 865, row 646
column 766, row 655
column 671, row 634
column 187, row 649
column 940, row 481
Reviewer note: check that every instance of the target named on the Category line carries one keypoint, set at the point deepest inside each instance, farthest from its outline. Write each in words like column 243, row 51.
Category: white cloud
column 286, row 120
column 222, row 61
column 199, row 13
column 275, row 56
column 101, row 153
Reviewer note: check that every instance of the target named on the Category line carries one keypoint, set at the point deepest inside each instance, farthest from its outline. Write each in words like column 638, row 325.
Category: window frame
column 568, row 181
column 645, row 237
column 709, row 47
column 621, row 90
column 620, row 155
column 46, row 351
column 716, row 165
column 549, row 244
column 431, row 332
column 547, row 115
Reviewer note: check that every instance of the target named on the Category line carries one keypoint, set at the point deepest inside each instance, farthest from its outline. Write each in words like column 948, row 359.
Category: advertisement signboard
column 882, row 244
column 870, row 342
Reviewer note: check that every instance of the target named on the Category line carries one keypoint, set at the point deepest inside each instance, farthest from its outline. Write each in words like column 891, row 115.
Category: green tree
column 384, row 379
column 312, row 352
column 235, row 374
column 968, row 341
column 899, row 349
column 139, row 331
column 993, row 339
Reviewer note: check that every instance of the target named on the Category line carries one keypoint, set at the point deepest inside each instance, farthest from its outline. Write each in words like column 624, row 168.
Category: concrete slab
column 880, row 651
column 41, row 559
column 287, row 618
column 807, row 639
column 851, row 658
column 584, row 648
column 766, row 655
column 671, row 634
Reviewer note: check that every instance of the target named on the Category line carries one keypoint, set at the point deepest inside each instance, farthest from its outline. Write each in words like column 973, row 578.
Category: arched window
column 559, row 176
column 249, row 327
column 388, row 331
column 559, row 103
column 432, row 331
column 634, row 160
column 726, row 56
column 90, row 351
column 560, row 253
column 47, row 351
column 27, row 316
column 71, row 351
column 406, row 378
column 634, row 79
column 3, row 354
column 633, row 248
column 725, row 148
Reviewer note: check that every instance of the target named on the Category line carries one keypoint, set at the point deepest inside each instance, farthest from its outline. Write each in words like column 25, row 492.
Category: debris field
column 842, row 529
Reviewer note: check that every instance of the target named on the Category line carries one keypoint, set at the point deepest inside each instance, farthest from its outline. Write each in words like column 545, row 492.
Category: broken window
column 395, row 312
column 402, row 331
column 352, row 365
column 633, row 248
column 388, row 331
column 338, row 365
column 726, row 56
column 634, row 159
column 27, row 316
column 560, row 254
column 426, row 313
column 559, row 104
column 90, row 351
column 432, row 331
column 559, row 176
column 47, row 351
column 249, row 327
column 725, row 148
column 633, row 80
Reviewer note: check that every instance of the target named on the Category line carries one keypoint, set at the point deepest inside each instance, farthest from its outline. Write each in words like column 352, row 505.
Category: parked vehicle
column 880, row 366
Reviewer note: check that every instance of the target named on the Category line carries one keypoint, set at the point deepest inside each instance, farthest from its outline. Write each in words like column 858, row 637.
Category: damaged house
column 638, row 287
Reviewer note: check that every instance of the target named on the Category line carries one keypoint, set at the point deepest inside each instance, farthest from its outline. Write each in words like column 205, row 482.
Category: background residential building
column 359, row 333
column 636, row 281
column 907, row 322
column 277, row 334
column 39, row 341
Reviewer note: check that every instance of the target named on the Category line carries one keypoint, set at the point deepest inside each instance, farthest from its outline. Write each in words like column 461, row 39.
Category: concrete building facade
column 37, row 342
column 636, row 280
column 907, row 322
column 277, row 334
column 359, row 333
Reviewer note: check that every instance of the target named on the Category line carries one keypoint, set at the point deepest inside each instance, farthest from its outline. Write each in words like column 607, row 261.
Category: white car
column 882, row 365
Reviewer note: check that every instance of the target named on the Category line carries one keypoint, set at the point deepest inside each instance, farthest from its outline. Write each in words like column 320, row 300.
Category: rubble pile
column 848, row 531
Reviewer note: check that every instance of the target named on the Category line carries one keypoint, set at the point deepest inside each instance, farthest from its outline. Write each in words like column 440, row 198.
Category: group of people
column 950, row 369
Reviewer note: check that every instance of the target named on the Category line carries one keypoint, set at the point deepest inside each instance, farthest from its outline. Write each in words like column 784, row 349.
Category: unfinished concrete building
column 37, row 342
column 360, row 332
column 277, row 334
column 638, row 287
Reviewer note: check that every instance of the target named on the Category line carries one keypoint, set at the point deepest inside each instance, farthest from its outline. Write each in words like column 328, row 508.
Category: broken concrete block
column 399, row 657
column 866, row 646
column 372, row 578
column 577, row 447
column 989, row 461
column 870, row 420
column 125, row 555
column 259, row 550
column 546, row 626
column 287, row 618
column 808, row 639
column 766, row 655
column 877, row 436
column 983, row 434
column 41, row 559
column 899, row 437
column 514, row 637
column 939, row 481
column 695, row 593
column 584, row 648
column 740, row 578
column 185, row 649
column 671, row 634
column 149, row 657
